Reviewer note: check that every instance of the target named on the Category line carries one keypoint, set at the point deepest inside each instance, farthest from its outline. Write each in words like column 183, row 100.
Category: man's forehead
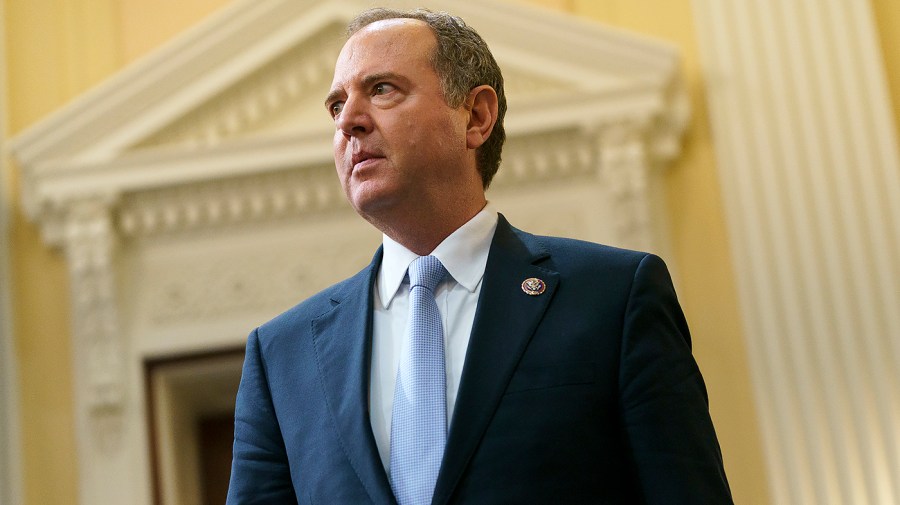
column 400, row 33
column 390, row 46
column 386, row 42
column 394, row 23
column 400, row 27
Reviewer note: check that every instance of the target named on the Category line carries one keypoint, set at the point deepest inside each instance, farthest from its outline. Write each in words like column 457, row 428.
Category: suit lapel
column 342, row 339
column 505, row 320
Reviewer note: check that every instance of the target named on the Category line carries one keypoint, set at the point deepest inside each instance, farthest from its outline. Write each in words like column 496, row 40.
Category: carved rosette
column 90, row 248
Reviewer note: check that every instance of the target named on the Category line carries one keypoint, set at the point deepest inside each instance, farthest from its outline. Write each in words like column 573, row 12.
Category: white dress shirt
column 464, row 254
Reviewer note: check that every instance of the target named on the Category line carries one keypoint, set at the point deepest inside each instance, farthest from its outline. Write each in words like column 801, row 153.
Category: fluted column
column 808, row 162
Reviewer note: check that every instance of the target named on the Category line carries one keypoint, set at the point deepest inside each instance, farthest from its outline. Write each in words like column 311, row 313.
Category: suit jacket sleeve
column 664, row 400
column 259, row 470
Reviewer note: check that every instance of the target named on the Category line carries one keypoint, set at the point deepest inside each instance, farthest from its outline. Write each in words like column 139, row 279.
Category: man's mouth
column 362, row 157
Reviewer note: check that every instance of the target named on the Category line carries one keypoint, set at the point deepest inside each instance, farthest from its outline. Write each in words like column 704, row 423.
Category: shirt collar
column 463, row 253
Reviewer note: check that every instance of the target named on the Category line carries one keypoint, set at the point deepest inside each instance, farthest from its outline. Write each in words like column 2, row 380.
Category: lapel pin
column 533, row 286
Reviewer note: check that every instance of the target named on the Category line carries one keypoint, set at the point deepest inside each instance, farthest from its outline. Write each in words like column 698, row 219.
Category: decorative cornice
column 246, row 199
column 524, row 83
column 298, row 191
column 60, row 183
column 550, row 156
column 620, row 154
column 182, row 187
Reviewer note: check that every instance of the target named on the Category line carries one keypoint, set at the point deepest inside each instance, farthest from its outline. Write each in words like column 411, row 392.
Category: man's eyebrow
column 371, row 79
column 333, row 95
column 366, row 82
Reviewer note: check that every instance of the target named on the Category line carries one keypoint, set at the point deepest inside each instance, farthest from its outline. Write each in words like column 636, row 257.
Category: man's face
column 397, row 144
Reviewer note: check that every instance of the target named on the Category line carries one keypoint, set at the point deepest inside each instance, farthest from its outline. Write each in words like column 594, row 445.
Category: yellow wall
column 887, row 17
column 50, row 60
column 59, row 48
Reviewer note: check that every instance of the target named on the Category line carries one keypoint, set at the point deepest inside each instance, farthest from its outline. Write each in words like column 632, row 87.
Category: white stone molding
column 293, row 193
column 808, row 159
column 193, row 193
column 90, row 243
column 285, row 83
column 625, row 164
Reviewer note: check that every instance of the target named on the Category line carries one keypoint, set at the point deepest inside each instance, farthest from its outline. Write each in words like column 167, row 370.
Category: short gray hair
column 462, row 61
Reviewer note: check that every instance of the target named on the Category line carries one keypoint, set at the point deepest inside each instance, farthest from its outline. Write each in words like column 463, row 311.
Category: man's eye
column 336, row 108
column 382, row 88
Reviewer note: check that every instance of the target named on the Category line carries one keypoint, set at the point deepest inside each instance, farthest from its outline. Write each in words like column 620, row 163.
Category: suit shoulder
column 576, row 252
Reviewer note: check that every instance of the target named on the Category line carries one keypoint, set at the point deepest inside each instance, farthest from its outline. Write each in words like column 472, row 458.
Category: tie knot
column 426, row 271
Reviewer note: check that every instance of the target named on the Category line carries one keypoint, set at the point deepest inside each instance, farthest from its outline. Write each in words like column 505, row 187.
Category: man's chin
column 372, row 203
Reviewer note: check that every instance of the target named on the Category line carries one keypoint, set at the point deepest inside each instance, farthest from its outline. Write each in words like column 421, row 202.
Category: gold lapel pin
column 533, row 286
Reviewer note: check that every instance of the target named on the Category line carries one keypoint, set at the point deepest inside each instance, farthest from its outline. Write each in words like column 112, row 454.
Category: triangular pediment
column 285, row 96
column 254, row 75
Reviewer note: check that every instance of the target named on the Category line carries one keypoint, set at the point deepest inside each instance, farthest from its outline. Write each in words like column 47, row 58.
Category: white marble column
column 808, row 162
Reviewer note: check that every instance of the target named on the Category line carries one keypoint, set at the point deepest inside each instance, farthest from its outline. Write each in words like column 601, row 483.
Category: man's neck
column 422, row 234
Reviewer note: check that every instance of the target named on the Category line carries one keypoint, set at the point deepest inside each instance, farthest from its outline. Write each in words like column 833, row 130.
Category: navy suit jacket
column 587, row 393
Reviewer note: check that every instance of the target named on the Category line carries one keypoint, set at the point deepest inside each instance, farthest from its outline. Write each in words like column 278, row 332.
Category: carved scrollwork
column 204, row 289
column 90, row 244
column 625, row 165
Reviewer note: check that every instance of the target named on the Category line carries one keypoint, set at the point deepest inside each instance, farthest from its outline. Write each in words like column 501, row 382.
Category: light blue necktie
column 419, row 414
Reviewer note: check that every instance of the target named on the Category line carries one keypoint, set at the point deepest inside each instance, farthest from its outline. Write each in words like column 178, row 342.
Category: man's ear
column 482, row 107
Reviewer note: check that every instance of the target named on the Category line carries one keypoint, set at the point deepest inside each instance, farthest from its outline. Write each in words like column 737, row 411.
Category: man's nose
column 354, row 118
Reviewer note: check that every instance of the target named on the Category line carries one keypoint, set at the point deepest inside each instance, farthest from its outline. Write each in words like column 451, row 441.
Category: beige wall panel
column 145, row 25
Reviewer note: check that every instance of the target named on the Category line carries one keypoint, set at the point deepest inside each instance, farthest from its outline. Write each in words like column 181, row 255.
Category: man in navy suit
column 569, row 375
